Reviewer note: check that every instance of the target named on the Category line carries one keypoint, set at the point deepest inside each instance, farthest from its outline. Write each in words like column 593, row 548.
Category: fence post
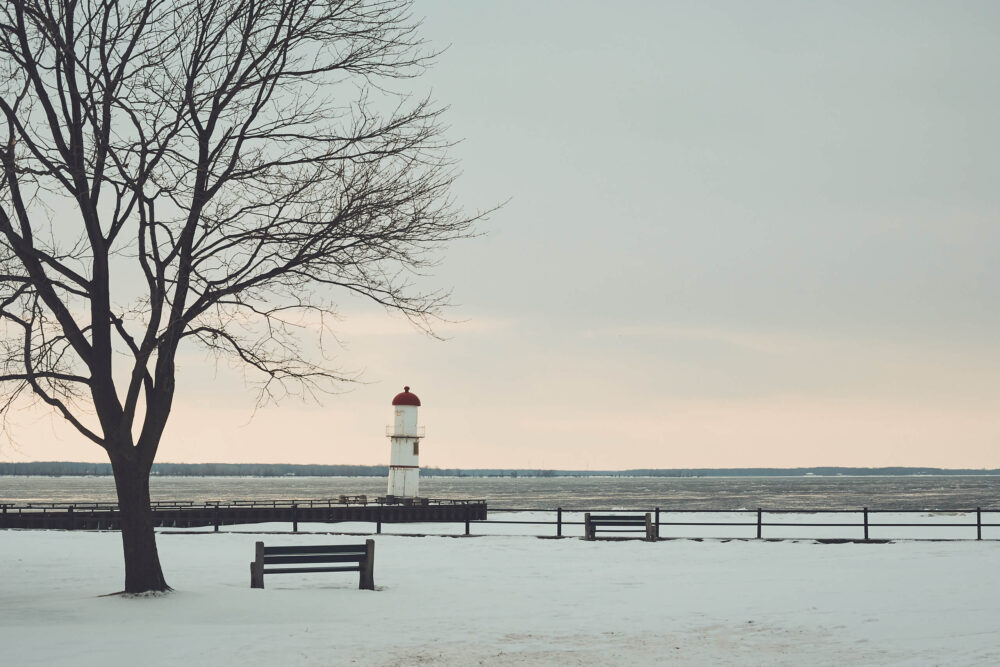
column 257, row 567
column 466, row 526
column 295, row 518
column 979, row 523
column 758, row 523
column 367, row 581
column 866, row 524
column 215, row 517
column 69, row 518
column 378, row 520
column 657, row 533
column 558, row 521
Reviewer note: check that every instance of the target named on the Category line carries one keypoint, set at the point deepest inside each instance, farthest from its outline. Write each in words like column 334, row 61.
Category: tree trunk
column 142, row 562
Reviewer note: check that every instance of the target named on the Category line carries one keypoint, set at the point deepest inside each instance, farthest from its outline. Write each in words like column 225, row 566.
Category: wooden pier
column 105, row 516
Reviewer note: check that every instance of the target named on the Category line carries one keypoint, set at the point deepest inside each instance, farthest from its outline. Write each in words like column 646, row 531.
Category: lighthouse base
column 404, row 481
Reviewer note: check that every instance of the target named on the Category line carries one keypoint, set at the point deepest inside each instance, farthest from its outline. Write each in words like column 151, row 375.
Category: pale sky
column 739, row 234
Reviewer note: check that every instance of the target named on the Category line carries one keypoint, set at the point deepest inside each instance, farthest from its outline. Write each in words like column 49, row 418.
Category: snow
column 506, row 599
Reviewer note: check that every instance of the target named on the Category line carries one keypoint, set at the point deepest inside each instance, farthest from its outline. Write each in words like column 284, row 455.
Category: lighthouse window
column 416, row 448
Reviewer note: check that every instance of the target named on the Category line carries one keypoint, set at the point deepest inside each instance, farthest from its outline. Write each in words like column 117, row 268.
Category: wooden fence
column 863, row 520
column 862, row 524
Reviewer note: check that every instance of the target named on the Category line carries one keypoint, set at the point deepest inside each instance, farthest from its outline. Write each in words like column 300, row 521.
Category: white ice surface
column 505, row 600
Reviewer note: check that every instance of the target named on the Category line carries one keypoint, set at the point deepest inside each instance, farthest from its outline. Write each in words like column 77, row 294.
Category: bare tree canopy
column 209, row 171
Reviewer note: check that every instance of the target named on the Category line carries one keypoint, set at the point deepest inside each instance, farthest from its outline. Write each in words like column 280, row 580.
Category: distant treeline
column 70, row 468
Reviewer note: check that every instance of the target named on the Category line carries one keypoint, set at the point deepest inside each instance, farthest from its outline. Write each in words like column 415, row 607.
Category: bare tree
column 203, row 171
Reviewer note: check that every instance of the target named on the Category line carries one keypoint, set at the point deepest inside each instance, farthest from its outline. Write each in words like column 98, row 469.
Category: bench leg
column 257, row 567
column 367, row 582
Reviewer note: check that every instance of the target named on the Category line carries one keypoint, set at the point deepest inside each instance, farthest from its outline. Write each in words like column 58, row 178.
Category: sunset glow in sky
column 738, row 234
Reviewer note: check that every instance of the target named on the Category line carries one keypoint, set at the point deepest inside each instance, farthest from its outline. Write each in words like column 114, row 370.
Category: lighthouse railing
column 390, row 431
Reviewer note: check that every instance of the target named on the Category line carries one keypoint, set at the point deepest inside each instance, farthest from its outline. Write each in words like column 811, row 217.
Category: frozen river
column 678, row 493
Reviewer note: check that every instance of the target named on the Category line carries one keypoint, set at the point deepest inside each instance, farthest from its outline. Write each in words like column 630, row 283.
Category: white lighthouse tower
column 404, row 466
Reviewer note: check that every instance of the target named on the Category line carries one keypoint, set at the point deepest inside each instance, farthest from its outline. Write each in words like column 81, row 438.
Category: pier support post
column 758, row 523
column 866, row 524
column 979, row 523
column 558, row 522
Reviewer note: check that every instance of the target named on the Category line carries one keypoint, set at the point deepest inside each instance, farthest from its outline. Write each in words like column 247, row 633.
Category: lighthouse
column 404, row 467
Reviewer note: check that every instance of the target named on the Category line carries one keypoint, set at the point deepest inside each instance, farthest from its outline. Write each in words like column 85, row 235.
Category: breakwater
column 179, row 514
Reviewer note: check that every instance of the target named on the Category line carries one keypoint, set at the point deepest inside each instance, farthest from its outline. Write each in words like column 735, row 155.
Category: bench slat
column 320, row 558
column 289, row 570
column 640, row 524
column 329, row 549
column 624, row 530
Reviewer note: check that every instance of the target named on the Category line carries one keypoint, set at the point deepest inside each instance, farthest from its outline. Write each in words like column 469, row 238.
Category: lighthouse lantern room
column 404, row 466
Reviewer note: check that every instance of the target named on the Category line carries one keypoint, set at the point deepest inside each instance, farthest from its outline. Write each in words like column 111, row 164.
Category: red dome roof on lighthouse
column 406, row 398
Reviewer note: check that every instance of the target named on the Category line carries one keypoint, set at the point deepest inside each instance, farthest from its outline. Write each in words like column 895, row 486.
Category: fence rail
column 854, row 524
column 864, row 524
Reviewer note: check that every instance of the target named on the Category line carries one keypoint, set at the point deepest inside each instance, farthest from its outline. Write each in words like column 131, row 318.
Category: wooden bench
column 292, row 559
column 618, row 523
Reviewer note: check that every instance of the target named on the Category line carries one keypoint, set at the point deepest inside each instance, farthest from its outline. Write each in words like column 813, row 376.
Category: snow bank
column 505, row 600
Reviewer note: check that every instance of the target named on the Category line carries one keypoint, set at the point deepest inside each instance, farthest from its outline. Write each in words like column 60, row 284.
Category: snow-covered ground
column 505, row 600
